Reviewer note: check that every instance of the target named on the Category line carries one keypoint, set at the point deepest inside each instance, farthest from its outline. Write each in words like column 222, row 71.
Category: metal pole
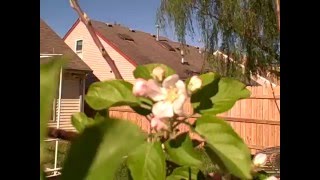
column 58, row 123
column 157, row 36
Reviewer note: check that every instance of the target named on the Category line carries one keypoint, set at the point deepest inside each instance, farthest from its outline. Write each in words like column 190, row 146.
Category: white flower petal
column 162, row 109
column 170, row 81
column 181, row 87
column 155, row 92
column 178, row 104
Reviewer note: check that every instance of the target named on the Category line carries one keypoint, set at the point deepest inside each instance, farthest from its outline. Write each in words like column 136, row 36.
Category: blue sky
column 136, row 14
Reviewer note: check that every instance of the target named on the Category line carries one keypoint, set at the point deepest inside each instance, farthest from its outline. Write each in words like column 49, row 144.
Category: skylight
column 125, row 37
column 166, row 45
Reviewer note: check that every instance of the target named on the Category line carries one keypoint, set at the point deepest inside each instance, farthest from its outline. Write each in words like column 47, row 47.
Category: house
column 257, row 80
column 129, row 48
column 69, row 98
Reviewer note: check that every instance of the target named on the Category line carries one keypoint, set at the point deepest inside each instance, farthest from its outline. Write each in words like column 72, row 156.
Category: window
column 79, row 46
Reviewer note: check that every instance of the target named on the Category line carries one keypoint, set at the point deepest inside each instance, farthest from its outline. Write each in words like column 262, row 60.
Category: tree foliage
column 244, row 30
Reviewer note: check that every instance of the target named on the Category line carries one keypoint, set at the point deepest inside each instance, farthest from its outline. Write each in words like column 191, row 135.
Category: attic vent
column 125, row 37
column 178, row 49
column 153, row 35
column 166, row 45
column 109, row 25
column 132, row 30
column 197, row 47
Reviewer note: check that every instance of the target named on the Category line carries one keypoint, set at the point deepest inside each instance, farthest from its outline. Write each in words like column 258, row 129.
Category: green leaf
column 145, row 71
column 261, row 175
column 101, row 115
column 42, row 175
column 80, row 121
column 230, row 150
column 181, row 151
column 186, row 173
column 102, row 95
column 49, row 78
column 144, row 107
column 99, row 150
column 217, row 94
column 148, row 162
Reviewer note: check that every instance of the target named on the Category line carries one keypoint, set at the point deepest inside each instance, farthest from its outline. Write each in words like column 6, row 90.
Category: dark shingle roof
column 145, row 49
column 51, row 43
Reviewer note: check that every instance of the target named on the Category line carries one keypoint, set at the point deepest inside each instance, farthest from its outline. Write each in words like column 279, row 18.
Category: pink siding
column 92, row 56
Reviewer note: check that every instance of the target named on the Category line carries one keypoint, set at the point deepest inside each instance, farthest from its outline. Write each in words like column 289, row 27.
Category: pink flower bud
column 140, row 87
column 158, row 73
column 156, row 123
column 194, row 83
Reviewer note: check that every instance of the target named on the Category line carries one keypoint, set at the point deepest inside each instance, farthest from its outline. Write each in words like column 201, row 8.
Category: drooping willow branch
column 257, row 41
column 278, row 21
column 86, row 20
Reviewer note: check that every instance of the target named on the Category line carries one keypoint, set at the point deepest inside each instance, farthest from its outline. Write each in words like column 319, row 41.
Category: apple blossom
column 194, row 83
column 169, row 98
column 260, row 159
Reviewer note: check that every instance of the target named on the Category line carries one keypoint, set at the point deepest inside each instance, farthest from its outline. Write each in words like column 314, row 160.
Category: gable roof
column 142, row 48
column 51, row 43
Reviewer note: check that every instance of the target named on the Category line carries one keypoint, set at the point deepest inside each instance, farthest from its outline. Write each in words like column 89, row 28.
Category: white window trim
column 48, row 55
column 75, row 46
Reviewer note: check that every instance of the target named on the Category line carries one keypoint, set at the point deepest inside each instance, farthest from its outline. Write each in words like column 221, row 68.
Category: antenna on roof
column 157, row 37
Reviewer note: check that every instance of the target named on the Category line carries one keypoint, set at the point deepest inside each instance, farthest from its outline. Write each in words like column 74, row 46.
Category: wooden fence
column 256, row 119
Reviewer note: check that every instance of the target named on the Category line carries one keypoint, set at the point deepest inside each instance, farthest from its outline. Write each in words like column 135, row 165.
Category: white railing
column 56, row 170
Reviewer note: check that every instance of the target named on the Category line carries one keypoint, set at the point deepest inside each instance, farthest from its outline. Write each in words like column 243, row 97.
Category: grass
column 122, row 172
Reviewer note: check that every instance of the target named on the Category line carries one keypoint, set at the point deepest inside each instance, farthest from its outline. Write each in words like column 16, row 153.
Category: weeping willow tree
column 245, row 31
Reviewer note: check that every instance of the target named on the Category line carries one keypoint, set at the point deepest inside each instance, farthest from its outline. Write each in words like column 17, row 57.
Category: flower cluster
column 260, row 160
column 169, row 95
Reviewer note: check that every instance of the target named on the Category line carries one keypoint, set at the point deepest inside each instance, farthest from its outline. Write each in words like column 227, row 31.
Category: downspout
column 58, row 122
